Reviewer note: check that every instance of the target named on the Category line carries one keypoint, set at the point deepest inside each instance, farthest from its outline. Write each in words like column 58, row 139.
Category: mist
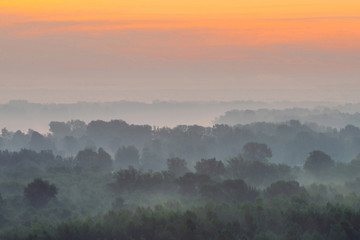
column 98, row 161
column 179, row 120
column 24, row 115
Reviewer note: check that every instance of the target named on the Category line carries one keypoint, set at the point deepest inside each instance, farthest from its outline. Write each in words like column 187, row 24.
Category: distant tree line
column 290, row 142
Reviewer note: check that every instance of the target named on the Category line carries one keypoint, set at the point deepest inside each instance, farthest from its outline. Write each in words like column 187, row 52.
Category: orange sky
column 91, row 9
column 228, row 40
column 262, row 21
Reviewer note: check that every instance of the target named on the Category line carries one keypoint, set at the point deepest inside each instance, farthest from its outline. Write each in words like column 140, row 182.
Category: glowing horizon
column 150, row 44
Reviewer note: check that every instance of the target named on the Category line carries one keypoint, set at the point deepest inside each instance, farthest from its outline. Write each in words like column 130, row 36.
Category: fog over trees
column 112, row 179
column 332, row 117
column 24, row 115
column 148, row 146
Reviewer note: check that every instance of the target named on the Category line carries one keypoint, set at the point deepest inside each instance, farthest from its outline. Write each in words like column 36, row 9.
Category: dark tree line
column 287, row 142
column 258, row 220
column 265, row 198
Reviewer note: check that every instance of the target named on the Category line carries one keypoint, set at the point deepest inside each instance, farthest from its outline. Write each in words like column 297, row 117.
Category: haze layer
column 65, row 51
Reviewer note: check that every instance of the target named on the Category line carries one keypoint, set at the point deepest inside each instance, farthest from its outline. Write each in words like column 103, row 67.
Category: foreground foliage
column 50, row 197
column 280, row 218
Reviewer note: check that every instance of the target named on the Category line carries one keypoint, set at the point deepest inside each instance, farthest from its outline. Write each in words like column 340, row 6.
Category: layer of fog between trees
column 290, row 141
column 25, row 115
column 51, row 183
column 47, row 196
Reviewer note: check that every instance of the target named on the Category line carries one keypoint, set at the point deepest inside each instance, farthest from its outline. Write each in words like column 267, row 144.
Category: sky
column 143, row 50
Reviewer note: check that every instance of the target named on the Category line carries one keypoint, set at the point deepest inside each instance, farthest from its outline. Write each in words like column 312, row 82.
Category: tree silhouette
column 177, row 167
column 127, row 156
column 318, row 162
column 286, row 188
column 89, row 159
column 256, row 152
column 210, row 167
column 39, row 192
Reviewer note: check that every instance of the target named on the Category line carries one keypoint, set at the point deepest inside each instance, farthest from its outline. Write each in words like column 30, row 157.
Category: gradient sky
column 106, row 50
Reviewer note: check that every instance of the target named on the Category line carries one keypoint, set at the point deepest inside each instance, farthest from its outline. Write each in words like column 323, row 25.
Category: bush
column 39, row 192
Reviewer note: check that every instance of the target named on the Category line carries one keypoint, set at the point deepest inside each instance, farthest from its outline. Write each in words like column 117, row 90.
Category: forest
column 290, row 141
column 179, row 120
column 115, row 180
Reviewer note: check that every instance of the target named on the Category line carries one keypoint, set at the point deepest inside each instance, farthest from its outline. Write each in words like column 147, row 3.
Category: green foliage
column 127, row 156
column 237, row 221
column 266, row 236
column 257, row 173
column 89, row 159
column 177, row 167
column 229, row 190
column 39, row 192
column 318, row 162
column 96, row 204
column 284, row 188
column 131, row 180
column 256, row 152
column 210, row 167
column 190, row 183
